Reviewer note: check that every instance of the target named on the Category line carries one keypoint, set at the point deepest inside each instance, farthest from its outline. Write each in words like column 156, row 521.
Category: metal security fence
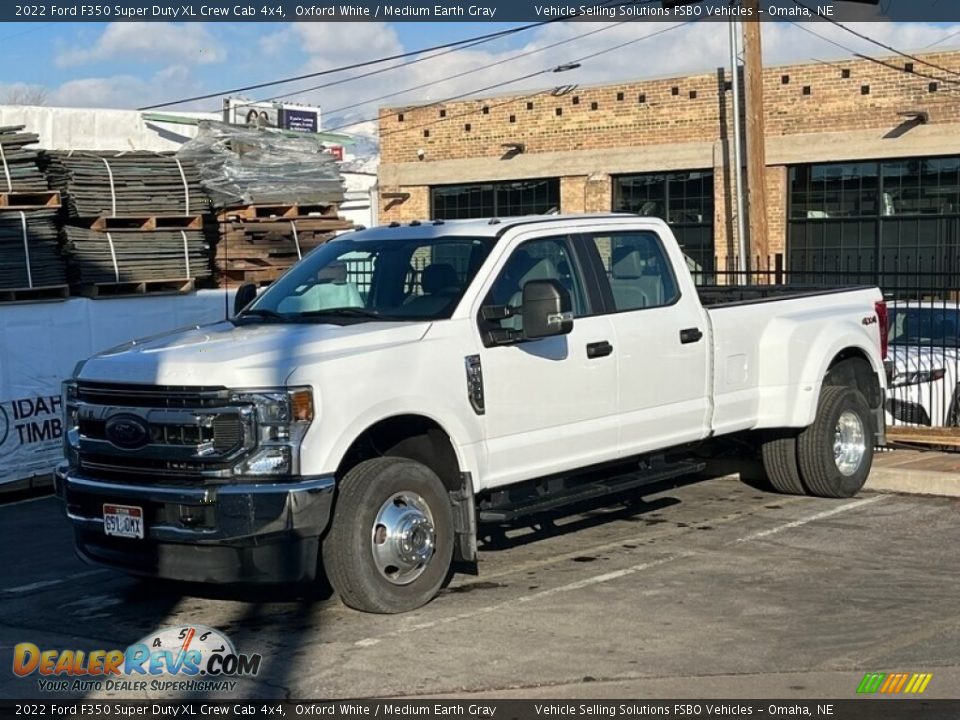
column 923, row 301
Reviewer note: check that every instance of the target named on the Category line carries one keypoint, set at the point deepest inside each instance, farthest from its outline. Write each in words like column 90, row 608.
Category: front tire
column 835, row 453
column 391, row 540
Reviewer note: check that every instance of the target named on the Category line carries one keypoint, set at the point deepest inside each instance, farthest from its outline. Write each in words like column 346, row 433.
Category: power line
column 575, row 61
column 883, row 45
column 361, row 76
column 25, row 32
column 944, row 39
column 471, row 71
column 367, row 63
column 874, row 60
column 352, row 78
column 354, row 66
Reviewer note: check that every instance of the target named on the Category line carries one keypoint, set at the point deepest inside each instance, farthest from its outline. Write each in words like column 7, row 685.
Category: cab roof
column 480, row 227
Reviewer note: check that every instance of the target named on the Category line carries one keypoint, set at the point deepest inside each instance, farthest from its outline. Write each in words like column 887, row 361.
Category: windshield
column 926, row 326
column 353, row 280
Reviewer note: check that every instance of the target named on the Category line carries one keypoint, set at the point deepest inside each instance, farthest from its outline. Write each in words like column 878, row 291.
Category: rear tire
column 835, row 453
column 780, row 463
column 390, row 545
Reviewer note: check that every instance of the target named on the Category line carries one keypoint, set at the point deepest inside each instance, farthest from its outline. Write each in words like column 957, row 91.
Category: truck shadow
column 576, row 517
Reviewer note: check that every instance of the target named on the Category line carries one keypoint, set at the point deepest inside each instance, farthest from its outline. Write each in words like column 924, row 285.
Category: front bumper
column 264, row 532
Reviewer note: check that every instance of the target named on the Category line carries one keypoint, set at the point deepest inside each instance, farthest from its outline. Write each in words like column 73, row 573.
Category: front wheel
column 391, row 541
column 835, row 454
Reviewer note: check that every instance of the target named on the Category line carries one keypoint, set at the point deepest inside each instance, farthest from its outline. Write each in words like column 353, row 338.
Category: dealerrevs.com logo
column 186, row 658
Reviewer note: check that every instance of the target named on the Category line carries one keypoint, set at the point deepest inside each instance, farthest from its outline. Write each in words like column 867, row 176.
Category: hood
column 254, row 355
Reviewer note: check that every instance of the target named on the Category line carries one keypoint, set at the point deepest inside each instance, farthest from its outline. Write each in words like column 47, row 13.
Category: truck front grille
column 152, row 396
column 178, row 432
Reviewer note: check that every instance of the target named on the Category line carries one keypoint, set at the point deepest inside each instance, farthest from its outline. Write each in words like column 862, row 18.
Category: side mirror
column 246, row 294
column 547, row 310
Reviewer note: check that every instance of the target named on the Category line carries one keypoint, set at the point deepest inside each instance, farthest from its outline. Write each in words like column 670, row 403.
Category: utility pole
column 738, row 187
column 756, row 133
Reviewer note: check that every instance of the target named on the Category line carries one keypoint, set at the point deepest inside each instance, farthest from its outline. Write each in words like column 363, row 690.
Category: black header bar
column 475, row 11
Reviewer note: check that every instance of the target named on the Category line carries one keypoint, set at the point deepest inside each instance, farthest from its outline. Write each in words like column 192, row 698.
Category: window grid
column 503, row 199
column 879, row 221
column 683, row 199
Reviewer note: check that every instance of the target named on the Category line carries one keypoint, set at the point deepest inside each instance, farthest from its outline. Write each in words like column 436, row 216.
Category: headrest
column 627, row 263
column 439, row 277
column 545, row 269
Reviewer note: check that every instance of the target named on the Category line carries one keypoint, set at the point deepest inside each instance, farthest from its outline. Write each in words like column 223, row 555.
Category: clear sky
column 128, row 65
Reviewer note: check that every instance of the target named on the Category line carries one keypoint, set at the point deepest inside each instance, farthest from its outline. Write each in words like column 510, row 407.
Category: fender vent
column 475, row 383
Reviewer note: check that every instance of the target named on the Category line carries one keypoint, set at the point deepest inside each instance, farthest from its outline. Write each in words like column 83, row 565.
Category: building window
column 503, row 199
column 683, row 199
column 837, row 190
column 879, row 220
column 918, row 186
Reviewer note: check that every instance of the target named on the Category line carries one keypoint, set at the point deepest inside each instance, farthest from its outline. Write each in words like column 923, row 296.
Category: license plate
column 123, row 521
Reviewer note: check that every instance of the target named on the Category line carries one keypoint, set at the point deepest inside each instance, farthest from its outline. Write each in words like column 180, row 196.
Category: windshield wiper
column 264, row 313
column 349, row 312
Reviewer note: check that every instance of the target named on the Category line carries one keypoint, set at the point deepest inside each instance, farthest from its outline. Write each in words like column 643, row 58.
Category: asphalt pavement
column 712, row 589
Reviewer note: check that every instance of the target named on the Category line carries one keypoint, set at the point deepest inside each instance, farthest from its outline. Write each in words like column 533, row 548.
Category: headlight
column 918, row 377
column 283, row 416
column 71, row 424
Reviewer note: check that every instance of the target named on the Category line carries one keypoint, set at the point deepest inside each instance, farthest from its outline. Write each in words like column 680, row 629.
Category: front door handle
column 599, row 349
column 690, row 335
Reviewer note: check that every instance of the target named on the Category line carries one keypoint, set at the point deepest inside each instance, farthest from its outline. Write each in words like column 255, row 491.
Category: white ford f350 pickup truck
column 401, row 384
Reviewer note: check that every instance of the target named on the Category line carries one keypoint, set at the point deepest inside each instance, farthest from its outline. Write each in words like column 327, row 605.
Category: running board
column 587, row 491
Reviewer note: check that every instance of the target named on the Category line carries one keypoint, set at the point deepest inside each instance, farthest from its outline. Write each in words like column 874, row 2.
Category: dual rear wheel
column 832, row 457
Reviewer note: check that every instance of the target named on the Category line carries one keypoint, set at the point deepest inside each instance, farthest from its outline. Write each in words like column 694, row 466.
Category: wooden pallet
column 29, row 200
column 234, row 277
column 948, row 437
column 178, row 286
column 313, row 223
column 254, row 213
column 48, row 293
column 104, row 223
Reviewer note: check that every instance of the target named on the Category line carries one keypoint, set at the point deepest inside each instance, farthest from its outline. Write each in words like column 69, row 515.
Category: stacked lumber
column 258, row 243
column 134, row 184
column 30, row 262
column 19, row 171
column 125, row 256
column 134, row 222
column 31, row 266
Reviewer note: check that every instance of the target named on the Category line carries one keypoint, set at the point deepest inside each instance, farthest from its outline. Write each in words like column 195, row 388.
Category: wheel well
column 409, row 436
column 852, row 367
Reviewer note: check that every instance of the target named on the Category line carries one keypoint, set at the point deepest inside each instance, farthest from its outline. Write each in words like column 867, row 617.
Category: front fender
column 341, row 436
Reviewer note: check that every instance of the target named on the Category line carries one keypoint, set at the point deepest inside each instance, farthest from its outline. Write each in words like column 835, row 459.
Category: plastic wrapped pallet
column 250, row 166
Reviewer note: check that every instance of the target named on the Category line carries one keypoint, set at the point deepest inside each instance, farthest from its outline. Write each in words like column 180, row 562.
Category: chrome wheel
column 403, row 538
column 849, row 443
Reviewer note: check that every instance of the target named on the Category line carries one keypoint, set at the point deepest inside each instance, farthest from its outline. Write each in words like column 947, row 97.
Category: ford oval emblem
column 127, row 431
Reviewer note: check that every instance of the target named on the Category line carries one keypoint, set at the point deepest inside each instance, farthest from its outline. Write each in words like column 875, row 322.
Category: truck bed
column 712, row 296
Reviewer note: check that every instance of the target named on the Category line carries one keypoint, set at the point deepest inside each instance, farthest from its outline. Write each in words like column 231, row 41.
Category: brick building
column 854, row 173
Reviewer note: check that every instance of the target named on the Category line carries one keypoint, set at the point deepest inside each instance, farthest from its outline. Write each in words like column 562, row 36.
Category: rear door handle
column 599, row 349
column 690, row 335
